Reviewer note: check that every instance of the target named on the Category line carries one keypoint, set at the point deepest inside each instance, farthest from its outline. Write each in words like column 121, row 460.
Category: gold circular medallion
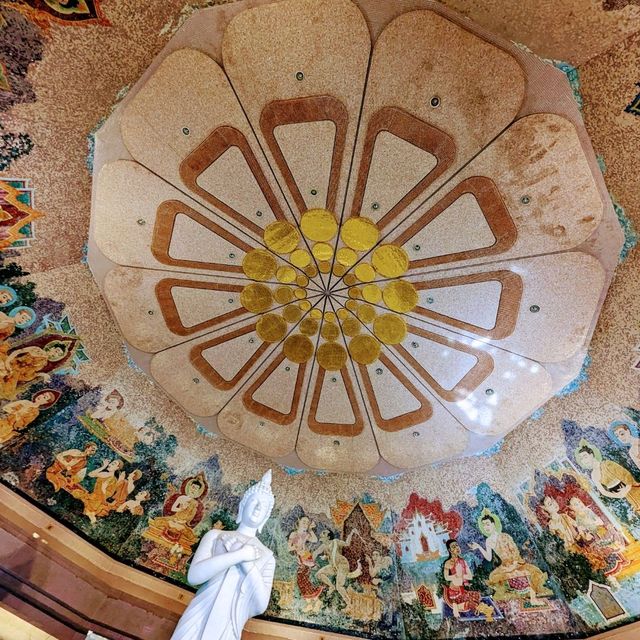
column 371, row 293
column 346, row 257
column 318, row 225
column 322, row 251
column 390, row 261
column 283, row 295
column 350, row 279
column 390, row 328
column 309, row 327
column 330, row 331
column 271, row 328
column 331, row 356
column 364, row 349
column 354, row 293
column 305, row 305
column 324, row 266
column 281, row 237
column 299, row 293
column 351, row 326
column 339, row 270
column 292, row 313
column 366, row 313
column 352, row 305
column 365, row 272
column 329, row 316
column 316, row 314
column 300, row 258
column 342, row 313
column 359, row 233
column 286, row 274
column 400, row 296
column 256, row 298
column 298, row 348
column 259, row 264
column 311, row 271
column 302, row 280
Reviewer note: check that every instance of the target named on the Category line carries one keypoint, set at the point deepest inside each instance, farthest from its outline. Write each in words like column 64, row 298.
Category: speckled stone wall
column 576, row 571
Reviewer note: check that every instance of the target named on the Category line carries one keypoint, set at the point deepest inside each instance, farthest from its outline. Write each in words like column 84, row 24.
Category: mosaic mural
column 540, row 538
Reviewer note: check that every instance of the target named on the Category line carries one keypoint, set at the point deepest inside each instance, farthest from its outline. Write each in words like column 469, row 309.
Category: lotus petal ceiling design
column 339, row 254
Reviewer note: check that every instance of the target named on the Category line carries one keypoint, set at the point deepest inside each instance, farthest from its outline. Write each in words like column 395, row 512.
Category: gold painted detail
column 366, row 276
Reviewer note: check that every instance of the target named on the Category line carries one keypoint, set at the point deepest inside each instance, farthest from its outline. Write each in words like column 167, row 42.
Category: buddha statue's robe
column 222, row 606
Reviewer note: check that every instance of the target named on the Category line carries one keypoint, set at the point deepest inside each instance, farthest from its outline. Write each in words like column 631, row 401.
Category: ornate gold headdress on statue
column 262, row 488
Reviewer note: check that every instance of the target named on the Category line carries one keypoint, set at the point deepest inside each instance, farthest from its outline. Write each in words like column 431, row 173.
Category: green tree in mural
column 572, row 570
column 10, row 272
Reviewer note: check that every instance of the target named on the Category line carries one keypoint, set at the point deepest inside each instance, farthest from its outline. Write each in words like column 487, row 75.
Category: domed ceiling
column 348, row 254
column 401, row 187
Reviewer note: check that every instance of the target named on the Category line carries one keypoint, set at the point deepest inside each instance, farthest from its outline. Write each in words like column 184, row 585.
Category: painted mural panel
column 473, row 569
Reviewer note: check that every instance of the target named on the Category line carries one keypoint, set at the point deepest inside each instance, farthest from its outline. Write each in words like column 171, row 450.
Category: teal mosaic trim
column 578, row 381
column 292, row 471
column 203, row 431
column 389, row 479
column 630, row 233
column 573, row 75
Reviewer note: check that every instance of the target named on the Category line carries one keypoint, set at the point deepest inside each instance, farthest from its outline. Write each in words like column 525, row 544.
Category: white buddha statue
column 236, row 573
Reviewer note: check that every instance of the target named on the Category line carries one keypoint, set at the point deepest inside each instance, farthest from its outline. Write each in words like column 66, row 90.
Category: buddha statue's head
column 256, row 504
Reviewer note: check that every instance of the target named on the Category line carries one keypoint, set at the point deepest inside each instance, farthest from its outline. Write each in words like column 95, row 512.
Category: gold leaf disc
column 390, row 328
column 318, row 225
column 256, row 298
column 390, row 261
column 281, row 237
column 259, row 264
column 271, row 328
column 298, row 348
column 364, row 349
column 331, row 356
column 400, row 296
column 359, row 233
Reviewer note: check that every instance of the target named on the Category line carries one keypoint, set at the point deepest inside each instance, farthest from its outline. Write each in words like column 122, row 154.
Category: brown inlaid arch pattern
column 163, row 230
column 472, row 379
column 418, row 133
column 332, row 429
column 269, row 413
column 419, row 416
column 207, row 152
column 494, row 209
column 166, row 302
column 508, row 306
column 210, row 374
column 300, row 110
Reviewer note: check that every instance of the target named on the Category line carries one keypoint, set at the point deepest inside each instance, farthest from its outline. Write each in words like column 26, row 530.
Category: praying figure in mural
column 70, row 468
column 560, row 524
column 610, row 479
column 17, row 318
column 182, row 511
column 235, row 570
column 514, row 577
column 134, row 506
column 589, row 524
column 457, row 575
column 627, row 435
column 337, row 566
column 110, row 490
column 27, row 363
column 19, row 414
column 298, row 543
column 107, row 423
